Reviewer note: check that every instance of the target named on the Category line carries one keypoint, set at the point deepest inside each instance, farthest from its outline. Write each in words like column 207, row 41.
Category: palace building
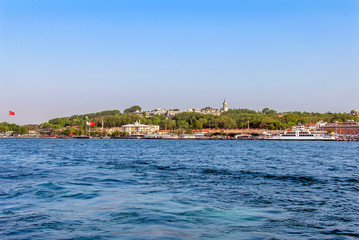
column 138, row 128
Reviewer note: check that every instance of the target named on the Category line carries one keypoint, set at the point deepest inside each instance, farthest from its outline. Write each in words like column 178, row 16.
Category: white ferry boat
column 302, row 134
column 159, row 136
column 169, row 136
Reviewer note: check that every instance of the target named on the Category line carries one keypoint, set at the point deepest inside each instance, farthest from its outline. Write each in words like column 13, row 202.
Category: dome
column 354, row 112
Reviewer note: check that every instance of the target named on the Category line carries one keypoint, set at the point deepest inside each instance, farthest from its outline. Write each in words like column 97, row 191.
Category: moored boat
column 301, row 134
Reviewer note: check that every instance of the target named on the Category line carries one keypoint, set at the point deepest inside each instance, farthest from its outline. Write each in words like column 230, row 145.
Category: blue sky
column 62, row 57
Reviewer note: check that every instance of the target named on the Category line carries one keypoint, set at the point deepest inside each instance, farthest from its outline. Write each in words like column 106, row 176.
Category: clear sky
column 65, row 57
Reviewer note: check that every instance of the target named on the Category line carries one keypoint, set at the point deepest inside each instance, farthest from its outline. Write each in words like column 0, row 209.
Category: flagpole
column 86, row 125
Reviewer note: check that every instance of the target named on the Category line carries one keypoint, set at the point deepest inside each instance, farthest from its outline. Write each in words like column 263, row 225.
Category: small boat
column 160, row 136
column 243, row 136
column 169, row 136
column 152, row 136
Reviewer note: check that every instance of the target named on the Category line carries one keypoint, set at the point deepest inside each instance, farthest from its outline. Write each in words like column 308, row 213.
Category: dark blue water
column 178, row 189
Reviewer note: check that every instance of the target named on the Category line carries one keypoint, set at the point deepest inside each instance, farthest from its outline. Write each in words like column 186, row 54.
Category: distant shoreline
column 201, row 139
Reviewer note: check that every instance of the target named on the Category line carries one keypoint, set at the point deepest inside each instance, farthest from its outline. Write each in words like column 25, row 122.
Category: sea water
column 178, row 189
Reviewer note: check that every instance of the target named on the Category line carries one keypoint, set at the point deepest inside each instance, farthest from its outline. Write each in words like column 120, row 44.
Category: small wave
column 140, row 217
column 252, row 174
column 216, row 171
column 352, row 180
column 124, row 216
column 12, row 194
column 81, row 195
column 110, row 180
column 51, row 186
column 16, row 175
column 341, row 233
column 162, row 167
column 80, row 183
column 301, row 179
column 45, row 194
column 31, row 217
column 142, row 162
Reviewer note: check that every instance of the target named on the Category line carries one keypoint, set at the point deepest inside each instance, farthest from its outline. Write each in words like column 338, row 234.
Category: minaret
column 225, row 105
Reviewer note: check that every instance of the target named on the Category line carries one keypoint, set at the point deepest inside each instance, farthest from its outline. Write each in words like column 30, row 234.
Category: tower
column 225, row 105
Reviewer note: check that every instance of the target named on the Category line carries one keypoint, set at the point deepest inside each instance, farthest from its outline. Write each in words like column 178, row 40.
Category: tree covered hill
column 233, row 118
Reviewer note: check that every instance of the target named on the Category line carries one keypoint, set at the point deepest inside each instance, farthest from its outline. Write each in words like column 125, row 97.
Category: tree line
column 233, row 118
column 11, row 127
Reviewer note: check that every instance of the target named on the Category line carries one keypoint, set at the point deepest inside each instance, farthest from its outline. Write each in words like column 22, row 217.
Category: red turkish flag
column 11, row 113
column 92, row 123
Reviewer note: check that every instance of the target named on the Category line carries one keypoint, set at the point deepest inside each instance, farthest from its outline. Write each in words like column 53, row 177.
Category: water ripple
column 138, row 189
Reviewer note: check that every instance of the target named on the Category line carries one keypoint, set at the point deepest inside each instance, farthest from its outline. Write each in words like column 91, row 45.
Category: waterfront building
column 320, row 124
column 164, row 132
column 138, row 128
column 349, row 127
column 153, row 128
column 33, row 133
column 311, row 126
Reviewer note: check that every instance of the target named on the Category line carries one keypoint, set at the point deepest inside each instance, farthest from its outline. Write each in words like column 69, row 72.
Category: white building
column 158, row 111
column 138, row 128
column 172, row 113
column 211, row 111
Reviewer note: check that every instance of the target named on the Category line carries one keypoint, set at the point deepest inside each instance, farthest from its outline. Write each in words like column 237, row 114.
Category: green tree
column 182, row 124
column 133, row 109
column 66, row 132
column 198, row 125
column 156, row 120
column 3, row 129
column 265, row 110
column 116, row 134
column 20, row 130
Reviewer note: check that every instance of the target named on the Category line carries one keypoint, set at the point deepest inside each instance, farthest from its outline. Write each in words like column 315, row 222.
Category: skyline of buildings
column 174, row 112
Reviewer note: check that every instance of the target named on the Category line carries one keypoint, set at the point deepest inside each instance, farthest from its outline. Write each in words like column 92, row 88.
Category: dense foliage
column 10, row 127
column 132, row 109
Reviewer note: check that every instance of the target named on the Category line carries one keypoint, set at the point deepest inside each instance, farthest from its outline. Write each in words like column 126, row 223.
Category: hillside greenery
column 16, row 129
column 233, row 118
